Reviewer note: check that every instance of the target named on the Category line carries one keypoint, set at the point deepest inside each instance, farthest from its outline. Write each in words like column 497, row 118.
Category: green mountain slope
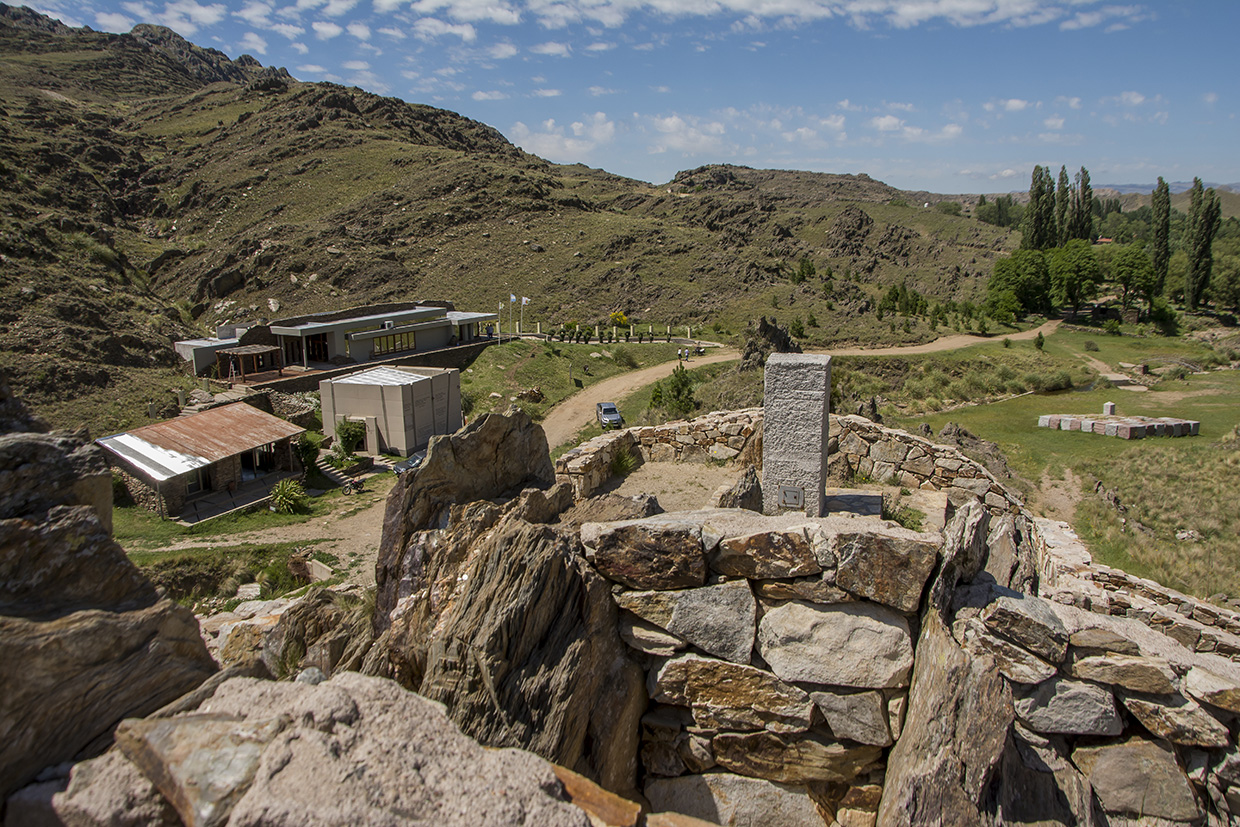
column 151, row 189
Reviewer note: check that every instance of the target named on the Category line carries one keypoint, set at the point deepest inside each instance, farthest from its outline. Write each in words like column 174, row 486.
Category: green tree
column 1203, row 219
column 1039, row 341
column 1063, row 197
column 1074, row 273
column 1160, row 244
column 1025, row 274
column 805, row 270
column 948, row 207
column 1081, row 218
column 619, row 319
column 675, row 393
column 1038, row 229
column 1133, row 271
column 1225, row 283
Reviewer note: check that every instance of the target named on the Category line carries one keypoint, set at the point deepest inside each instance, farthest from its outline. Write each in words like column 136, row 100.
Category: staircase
column 338, row 479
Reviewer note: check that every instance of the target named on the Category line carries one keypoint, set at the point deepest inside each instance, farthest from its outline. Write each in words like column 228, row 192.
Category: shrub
column 287, row 497
column 1176, row 372
column 624, row 358
column 623, row 463
column 1007, row 342
column 1039, row 341
column 306, row 451
column 1091, row 346
column 349, row 434
column 1111, row 326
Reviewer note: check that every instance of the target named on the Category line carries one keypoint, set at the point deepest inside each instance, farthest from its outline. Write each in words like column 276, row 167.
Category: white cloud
column 471, row 11
column 1131, row 98
column 489, row 96
column 326, row 31
column 335, row 8
column 803, row 134
column 1015, row 105
column 300, row 48
column 1053, row 122
column 355, row 65
column 1118, row 18
column 253, row 43
column 386, row 6
column 113, row 22
column 662, row 90
column 394, row 33
column 369, row 81
column 503, row 51
column 691, row 136
column 287, row 29
column 600, row 47
column 547, row 93
column 429, row 28
column 835, row 123
column 849, row 106
column 599, row 91
column 255, row 13
column 554, row 142
column 901, row 107
column 1210, row 98
column 312, row 69
column 552, row 49
column 887, row 123
column 182, row 16
column 359, row 30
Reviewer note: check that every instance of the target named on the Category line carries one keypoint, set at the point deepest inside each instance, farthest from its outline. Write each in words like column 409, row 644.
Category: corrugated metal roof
column 166, row 449
column 380, row 376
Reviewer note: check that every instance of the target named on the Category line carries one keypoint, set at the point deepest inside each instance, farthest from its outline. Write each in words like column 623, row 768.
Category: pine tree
column 1063, row 197
column 1160, row 246
column 1204, row 212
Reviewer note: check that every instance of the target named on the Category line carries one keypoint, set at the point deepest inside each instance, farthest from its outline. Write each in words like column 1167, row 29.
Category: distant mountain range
column 1176, row 187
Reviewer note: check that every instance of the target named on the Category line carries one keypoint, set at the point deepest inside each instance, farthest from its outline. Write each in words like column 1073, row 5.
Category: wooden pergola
column 231, row 362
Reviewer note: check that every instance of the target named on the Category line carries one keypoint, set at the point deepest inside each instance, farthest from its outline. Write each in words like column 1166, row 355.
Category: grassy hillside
column 151, row 189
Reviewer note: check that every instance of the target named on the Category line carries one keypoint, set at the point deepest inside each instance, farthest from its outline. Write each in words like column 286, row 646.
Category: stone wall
column 1068, row 575
column 857, row 446
column 715, row 436
column 777, row 651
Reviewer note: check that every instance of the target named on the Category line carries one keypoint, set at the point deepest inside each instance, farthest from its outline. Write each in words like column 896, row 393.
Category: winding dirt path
column 563, row 422
column 577, row 411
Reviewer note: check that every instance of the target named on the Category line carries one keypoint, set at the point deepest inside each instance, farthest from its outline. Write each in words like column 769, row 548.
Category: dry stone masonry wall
column 1123, row 427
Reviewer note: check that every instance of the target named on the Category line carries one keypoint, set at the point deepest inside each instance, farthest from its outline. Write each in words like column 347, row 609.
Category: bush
column 1111, row 326
column 624, row 358
column 288, row 497
column 623, row 464
column 1039, row 341
column 1176, row 372
column 1007, row 342
column 1091, row 346
column 306, row 451
column 349, row 434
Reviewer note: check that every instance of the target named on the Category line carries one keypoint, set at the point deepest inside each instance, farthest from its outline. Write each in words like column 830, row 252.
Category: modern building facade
column 402, row 407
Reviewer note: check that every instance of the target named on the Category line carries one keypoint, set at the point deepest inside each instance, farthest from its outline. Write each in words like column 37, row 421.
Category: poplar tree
column 1081, row 221
column 1204, row 212
column 1160, row 246
column 1063, row 196
column 1038, row 228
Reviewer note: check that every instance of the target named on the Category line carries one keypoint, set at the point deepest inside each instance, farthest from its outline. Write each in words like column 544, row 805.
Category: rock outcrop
column 351, row 750
column 85, row 639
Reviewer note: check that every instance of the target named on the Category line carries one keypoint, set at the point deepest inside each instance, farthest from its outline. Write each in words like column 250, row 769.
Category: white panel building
column 402, row 407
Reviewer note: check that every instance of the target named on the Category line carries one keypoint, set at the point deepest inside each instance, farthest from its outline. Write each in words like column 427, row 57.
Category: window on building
column 394, row 343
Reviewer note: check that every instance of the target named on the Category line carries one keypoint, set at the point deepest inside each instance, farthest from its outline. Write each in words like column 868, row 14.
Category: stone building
column 166, row 464
column 402, row 407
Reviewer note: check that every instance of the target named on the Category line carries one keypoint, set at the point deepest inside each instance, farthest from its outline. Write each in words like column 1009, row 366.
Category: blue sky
column 943, row 95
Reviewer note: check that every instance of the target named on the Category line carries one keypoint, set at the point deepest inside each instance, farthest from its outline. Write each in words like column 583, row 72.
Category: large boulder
column 85, row 639
column 522, row 647
column 351, row 750
column 494, row 455
column 717, row 619
column 725, row 798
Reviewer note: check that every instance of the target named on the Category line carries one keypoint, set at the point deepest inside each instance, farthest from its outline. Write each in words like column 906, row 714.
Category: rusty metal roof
column 207, row 437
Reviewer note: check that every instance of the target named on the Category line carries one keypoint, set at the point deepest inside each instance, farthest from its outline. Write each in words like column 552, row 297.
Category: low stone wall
column 1067, row 574
column 1124, row 427
column 888, row 455
column 865, row 448
column 717, row 436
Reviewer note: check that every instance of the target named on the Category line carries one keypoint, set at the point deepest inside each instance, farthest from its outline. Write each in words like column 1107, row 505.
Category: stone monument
column 794, row 436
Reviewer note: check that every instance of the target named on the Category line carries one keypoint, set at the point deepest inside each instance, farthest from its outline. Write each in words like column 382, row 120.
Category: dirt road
column 566, row 419
column 577, row 411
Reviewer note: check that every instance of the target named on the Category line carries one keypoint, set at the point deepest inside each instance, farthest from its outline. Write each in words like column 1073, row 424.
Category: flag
column 512, row 297
column 524, row 300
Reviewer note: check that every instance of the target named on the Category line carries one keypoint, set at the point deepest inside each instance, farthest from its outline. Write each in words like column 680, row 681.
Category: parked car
column 608, row 415
column 406, row 466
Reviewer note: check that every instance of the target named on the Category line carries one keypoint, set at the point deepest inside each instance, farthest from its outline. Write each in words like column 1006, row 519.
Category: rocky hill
column 151, row 189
